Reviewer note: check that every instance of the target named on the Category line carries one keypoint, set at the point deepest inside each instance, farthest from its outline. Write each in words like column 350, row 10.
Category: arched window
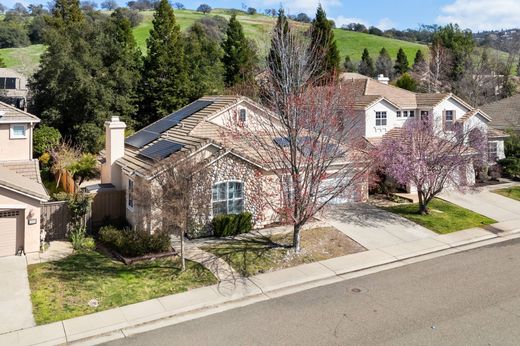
column 228, row 197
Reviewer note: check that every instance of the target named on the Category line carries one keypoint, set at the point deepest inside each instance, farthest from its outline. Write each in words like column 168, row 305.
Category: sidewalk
column 152, row 314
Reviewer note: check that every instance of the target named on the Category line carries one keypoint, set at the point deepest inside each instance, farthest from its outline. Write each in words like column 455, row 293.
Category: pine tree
column 203, row 57
column 165, row 76
column 348, row 65
column 384, row 64
column 407, row 82
column 66, row 12
column 401, row 64
column 419, row 60
column 366, row 66
column 324, row 45
column 239, row 57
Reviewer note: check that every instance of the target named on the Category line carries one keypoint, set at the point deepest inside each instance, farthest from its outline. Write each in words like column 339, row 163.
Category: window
column 380, row 118
column 448, row 119
column 242, row 115
column 398, row 114
column 130, row 192
column 425, row 114
column 492, row 151
column 7, row 83
column 228, row 197
column 405, row 114
column 18, row 131
column 412, row 114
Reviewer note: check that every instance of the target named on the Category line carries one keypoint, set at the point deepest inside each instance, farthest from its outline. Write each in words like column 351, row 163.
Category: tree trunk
column 183, row 260
column 423, row 204
column 297, row 238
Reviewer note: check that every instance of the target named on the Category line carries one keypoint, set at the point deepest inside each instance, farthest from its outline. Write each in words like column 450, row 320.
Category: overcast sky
column 476, row 15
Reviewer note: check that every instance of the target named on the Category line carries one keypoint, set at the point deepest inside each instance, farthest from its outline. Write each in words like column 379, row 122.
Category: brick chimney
column 114, row 149
column 382, row 79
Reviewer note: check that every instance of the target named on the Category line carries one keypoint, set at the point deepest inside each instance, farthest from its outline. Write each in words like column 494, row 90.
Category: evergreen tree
column 460, row 44
column 203, row 57
column 239, row 56
column 419, row 60
column 366, row 66
column 165, row 80
column 384, row 64
column 281, row 30
column 348, row 65
column 401, row 64
column 66, row 12
column 324, row 45
column 407, row 82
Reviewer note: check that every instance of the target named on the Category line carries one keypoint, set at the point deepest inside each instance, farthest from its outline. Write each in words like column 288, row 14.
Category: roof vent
column 382, row 79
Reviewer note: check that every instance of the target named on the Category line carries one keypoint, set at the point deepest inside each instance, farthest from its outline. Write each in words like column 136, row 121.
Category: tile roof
column 21, row 183
column 504, row 113
column 430, row 100
column 494, row 133
column 27, row 168
column 10, row 114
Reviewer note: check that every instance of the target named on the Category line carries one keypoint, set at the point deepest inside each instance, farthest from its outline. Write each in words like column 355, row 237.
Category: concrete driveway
column 15, row 301
column 375, row 228
column 487, row 203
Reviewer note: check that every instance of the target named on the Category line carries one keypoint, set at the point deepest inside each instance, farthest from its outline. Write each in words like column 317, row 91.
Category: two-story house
column 21, row 188
column 381, row 108
column 13, row 88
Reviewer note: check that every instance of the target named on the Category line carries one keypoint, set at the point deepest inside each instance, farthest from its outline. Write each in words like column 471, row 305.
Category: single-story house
column 21, row 188
column 505, row 113
column 238, row 180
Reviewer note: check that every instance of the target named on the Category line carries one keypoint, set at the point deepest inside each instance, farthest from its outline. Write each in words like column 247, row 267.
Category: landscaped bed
column 511, row 192
column 263, row 254
column 444, row 217
column 64, row 288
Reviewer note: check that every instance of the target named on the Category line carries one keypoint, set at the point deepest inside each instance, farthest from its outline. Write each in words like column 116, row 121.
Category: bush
column 511, row 167
column 134, row 243
column 80, row 241
column 227, row 225
column 45, row 138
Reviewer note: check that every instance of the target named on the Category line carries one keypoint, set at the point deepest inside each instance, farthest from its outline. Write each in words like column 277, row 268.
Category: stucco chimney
column 114, row 149
column 382, row 79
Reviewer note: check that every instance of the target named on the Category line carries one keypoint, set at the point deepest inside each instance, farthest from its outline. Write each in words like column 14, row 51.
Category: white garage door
column 8, row 232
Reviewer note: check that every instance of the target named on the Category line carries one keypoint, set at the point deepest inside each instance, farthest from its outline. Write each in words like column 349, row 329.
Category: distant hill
column 256, row 27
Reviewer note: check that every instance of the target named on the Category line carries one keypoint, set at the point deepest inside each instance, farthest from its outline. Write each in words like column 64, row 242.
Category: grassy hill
column 256, row 27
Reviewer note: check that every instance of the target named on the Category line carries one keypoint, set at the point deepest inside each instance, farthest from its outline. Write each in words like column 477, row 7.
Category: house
column 21, row 188
column 381, row 107
column 505, row 113
column 13, row 88
column 237, row 178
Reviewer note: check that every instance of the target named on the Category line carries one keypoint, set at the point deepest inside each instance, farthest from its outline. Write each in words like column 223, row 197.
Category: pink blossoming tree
column 431, row 158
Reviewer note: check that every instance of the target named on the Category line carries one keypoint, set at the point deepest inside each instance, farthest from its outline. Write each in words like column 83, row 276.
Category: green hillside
column 256, row 27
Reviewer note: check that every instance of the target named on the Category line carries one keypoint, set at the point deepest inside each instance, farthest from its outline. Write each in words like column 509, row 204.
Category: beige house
column 13, row 88
column 238, row 181
column 505, row 113
column 21, row 189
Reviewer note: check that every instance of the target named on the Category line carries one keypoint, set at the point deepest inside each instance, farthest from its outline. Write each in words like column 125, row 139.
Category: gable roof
column 21, row 183
column 193, row 133
column 11, row 114
column 504, row 113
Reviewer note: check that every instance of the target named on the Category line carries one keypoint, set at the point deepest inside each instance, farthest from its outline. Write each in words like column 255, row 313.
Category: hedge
column 134, row 243
column 227, row 225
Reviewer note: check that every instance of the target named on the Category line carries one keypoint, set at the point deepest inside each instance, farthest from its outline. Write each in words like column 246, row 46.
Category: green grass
column 24, row 60
column 444, row 217
column 264, row 254
column 62, row 289
column 511, row 192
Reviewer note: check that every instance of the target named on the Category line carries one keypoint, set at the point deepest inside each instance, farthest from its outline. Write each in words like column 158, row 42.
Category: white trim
column 131, row 208
column 227, row 181
column 12, row 206
column 23, row 193
column 11, row 131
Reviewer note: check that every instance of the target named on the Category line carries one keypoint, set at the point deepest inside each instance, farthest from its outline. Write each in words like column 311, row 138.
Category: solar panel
column 160, row 126
column 185, row 112
column 141, row 138
column 161, row 149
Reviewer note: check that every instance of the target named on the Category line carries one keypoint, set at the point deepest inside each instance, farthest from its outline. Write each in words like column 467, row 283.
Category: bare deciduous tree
column 309, row 139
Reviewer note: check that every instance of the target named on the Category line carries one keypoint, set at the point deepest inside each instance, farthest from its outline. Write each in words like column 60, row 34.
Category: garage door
column 8, row 231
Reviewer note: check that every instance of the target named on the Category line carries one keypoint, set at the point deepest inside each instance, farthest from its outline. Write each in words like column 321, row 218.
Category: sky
column 476, row 15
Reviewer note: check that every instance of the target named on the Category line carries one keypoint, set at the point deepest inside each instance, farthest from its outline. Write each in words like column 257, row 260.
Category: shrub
column 134, row 243
column 227, row 225
column 511, row 166
column 79, row 239
column 45, row 138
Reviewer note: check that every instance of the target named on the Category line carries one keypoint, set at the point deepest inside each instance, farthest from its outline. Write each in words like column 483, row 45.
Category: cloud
column 479, row 15
column 385, row 24
column 340, row 20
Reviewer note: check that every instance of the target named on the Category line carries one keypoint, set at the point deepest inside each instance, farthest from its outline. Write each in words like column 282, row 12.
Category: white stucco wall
column 371, row 130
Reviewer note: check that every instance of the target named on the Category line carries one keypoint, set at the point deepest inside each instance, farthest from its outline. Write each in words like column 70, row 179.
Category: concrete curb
column 161, row 312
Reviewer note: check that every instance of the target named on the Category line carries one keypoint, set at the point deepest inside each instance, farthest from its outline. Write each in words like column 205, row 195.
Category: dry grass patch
column 264, row 254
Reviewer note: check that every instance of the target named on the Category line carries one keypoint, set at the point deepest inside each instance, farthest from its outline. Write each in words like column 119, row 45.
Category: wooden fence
column 107, row 207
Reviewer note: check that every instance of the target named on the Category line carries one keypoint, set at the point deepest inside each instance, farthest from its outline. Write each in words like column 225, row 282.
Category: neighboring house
column 238, row 181
column 13, row 88
column 381, row 108
column 505, row 113
column 21, row 189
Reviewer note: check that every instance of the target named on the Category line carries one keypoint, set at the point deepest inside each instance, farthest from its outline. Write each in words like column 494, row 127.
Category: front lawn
column 444, row 217
column 63, row 289
column 511, row 192
column 264, row 254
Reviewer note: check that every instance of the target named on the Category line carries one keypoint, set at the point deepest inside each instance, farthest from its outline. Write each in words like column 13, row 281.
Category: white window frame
column 227, row 199
column 405, row 114
column 449, row 123
column 129, row 197
column 382, row 118
column 12, row 134
column 494, row 144
column 398, row 114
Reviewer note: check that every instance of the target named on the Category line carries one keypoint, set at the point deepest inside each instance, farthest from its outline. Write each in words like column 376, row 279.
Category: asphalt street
column 469, row 298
